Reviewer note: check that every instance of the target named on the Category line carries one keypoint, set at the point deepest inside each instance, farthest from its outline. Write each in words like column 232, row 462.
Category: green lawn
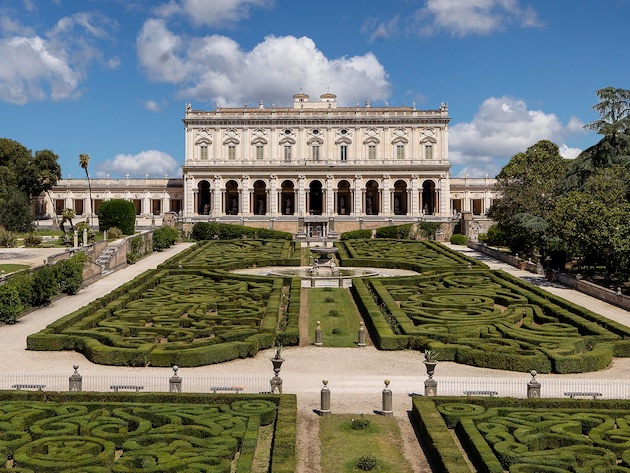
column 12, row 268
column 344, row 317
column 342, row 446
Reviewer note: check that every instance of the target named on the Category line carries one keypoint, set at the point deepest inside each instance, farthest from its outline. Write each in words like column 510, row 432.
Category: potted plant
column 430, row 361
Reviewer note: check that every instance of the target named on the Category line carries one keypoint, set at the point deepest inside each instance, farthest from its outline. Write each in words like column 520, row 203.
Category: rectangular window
column 477, row 206
column 156, row 206
column 78, row 206
column 343, row 151
column 315, row 153
column 137, row 203
column 203, row 154
column 60, row 204
column 400, row 152
column 372, row 152
column 428, row 152
column 259, row 152
column 96, row 203
column 231, row 152
column 176, row 205
column 287, row 154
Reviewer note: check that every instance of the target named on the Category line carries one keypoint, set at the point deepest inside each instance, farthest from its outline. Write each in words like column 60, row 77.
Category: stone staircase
column 104, row 259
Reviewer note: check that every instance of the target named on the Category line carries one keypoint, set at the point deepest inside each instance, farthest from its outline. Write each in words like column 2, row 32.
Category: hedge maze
column 192, row 434
column 185, row 313
column 526, row 436
column 472, row 315
column 419, row 256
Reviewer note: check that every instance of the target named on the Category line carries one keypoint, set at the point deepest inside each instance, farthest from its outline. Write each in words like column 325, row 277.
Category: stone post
column 85, row 237
column 175, row 381
column 387, row 401
column 318, row 335
column 361, row 335
column 533, row 386
column 76, row 239
column 75, row 380
column 325, row 399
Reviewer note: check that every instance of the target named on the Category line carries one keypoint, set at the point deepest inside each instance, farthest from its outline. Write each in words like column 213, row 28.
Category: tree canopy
column 22, row 177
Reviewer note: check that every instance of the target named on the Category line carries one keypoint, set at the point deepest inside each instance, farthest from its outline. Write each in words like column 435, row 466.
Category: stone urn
column 430, row 362
column 277, row 360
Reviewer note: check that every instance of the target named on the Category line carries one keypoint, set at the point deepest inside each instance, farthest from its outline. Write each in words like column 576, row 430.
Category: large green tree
column 529, row 187
column 613, row 109
column 595, row 223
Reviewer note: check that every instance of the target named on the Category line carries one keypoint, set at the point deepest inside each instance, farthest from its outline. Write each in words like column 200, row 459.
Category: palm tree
column 84, row 160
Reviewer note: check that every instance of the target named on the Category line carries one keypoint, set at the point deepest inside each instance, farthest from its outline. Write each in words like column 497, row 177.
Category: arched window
column 230, row 147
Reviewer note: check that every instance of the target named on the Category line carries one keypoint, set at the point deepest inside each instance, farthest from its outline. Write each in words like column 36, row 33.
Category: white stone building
column 313, row 169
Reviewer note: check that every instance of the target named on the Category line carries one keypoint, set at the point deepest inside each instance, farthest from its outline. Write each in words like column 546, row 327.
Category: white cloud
column 502, row 127
column 152, row 106
column 216, row 69
column 152, row 162
column 480, row 17
column 215, row 13
column 569, row 153
column 381, row 29
column 53, row 65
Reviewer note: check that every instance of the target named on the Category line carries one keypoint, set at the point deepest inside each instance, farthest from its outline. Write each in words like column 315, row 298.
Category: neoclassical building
column 313, row 169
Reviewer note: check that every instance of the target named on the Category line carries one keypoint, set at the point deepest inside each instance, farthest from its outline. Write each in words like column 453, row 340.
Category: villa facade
column 313, row 169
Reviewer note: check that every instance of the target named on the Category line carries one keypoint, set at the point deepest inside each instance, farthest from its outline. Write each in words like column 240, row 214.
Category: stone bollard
column 85, row 237
column 318, row 335
column 387, row 401
column 325, row 399
column 361, row 335
column 175, row 381
column 533, row 387
column 75, row 380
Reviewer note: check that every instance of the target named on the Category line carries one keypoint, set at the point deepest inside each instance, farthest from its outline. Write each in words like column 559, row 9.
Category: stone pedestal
column 387, row 401
column 175, row 381
column 361, row 335
column 75, row 381
column 318, row 335
column 430, row 387
column 325, row 399
column 533, row 387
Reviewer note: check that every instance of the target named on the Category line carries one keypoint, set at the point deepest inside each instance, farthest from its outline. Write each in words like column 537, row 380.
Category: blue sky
column 111, row 77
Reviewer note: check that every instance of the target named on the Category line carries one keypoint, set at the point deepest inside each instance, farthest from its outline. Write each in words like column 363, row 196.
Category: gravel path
column 355, row 375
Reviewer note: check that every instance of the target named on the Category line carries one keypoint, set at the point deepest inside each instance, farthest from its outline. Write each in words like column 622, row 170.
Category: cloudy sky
column 111, row 77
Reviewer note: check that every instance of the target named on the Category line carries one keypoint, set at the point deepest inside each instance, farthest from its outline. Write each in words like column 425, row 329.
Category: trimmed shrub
column 45, row 286
column 459, row 239
column 366, row 463
column 10, row 304
column 117, row 213
column 134, row 254
column 356, row 234
column 164, row 237
column 360, row 423
column 228, row 231
column 70, row 273
column 400, row 232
